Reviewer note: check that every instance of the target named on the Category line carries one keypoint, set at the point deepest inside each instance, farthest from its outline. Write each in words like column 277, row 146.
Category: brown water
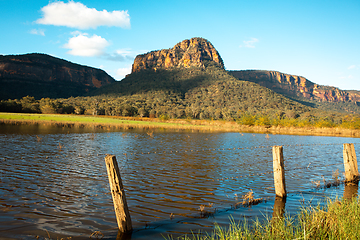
column 53, row 180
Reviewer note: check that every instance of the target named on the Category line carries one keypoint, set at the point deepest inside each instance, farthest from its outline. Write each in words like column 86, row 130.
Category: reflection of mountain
column 41, row 75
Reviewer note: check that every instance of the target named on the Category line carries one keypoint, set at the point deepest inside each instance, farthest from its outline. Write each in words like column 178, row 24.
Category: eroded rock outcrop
column 297, row 85
column 188, row 53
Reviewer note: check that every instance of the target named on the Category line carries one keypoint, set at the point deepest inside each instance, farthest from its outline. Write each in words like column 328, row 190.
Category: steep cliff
column 295, row 85
column 188, row 53
column 42, row 75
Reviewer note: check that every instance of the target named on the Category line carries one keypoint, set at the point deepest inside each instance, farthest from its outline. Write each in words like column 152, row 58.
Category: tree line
column 170, row 106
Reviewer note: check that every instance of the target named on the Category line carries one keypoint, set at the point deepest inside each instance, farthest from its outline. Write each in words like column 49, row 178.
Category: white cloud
column 37, row 32
column 250, row 43
column 77, row 15
column 122, row 72
column 82, row 45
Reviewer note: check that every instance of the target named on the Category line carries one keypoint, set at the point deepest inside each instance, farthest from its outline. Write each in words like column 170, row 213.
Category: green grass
column 83, row 119
column 71, row 118
column 337, row 220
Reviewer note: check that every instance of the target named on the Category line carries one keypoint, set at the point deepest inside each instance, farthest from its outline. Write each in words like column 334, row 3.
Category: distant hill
column 41, row 75
column 302, row 90
column 296, row 85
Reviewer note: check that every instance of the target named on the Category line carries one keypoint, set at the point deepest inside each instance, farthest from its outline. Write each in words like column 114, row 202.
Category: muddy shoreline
column 191, row 125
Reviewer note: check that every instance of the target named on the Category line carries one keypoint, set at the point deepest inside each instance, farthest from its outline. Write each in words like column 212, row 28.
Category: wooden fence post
column 350, row 164
column 118, row 194
column 279, row 171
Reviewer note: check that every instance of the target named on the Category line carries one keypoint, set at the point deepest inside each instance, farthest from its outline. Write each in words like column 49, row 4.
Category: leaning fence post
column 279, row 171
column 118, row 194
column 350, row 164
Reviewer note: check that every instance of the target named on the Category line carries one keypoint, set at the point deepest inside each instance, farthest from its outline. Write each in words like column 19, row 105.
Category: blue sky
column 315, row 39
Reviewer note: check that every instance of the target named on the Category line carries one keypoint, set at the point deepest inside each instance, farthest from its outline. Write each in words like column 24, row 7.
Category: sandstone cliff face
column 188, row 53
column 41, row 67
column 296, row 85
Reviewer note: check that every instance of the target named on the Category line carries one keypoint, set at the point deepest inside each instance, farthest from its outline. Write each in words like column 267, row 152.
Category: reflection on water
column 55, row 181
column 279, row 207
column 351, row 190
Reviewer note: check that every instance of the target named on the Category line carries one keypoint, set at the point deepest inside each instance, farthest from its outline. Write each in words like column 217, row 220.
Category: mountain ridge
column 297, row 85
column 42, row 75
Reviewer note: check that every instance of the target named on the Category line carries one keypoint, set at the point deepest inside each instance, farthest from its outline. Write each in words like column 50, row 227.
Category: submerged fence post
column 279, row 171
column 350, row 164
column 118, row 194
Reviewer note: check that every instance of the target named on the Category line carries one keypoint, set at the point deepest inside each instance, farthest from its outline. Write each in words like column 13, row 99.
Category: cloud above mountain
column 83, row 45
column 77, row 15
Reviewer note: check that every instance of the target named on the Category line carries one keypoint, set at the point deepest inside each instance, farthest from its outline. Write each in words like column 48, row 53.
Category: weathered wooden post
column 279, row 171
column 350, row 164
column 118, row 194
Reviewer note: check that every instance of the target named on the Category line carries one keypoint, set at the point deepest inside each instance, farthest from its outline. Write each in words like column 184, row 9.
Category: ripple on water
column 59, row 183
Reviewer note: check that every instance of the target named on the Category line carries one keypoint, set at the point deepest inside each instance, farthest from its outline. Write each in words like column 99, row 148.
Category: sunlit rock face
column 188, row 53
column 297, row 85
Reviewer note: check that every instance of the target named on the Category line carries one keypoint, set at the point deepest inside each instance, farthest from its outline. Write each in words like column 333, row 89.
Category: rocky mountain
column 194, row 65
column 188, row 53
column 197, row 52
column 291, row 85
column 41, row 75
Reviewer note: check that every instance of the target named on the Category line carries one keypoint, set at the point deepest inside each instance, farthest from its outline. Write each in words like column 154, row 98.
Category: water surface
column 53, row 181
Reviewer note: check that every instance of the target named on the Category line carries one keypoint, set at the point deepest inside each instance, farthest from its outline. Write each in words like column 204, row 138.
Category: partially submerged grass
column 336, row 181
column 249, row 200
column 337, row 220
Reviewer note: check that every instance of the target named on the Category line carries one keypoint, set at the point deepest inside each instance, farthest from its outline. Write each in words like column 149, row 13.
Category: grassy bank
column 337, row 220
column 174, row 124
column 104, row 121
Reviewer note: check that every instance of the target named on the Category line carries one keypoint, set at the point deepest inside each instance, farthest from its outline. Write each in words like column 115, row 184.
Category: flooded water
column 53, row 181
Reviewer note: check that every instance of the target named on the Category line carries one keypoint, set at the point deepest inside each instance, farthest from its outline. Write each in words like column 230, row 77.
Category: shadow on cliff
column 175, row 80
